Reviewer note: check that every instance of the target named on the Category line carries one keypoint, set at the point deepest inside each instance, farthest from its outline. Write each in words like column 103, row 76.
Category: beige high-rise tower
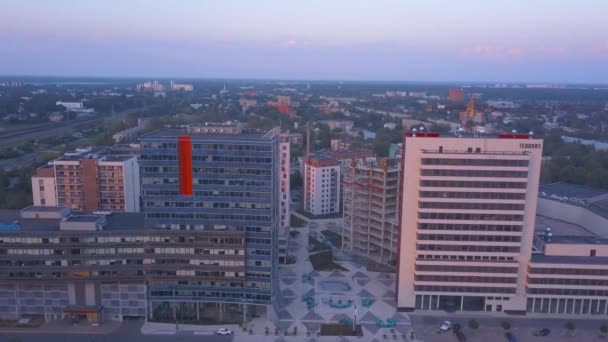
column 467, row 216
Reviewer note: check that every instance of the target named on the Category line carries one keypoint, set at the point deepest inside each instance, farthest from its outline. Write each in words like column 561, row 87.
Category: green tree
column 505, row 325
column 604, row 328
column 569, row 325
column 473, row 324
column 295, row 180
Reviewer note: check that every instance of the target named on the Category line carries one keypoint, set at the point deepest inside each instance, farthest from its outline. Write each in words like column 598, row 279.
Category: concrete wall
column 44, row 191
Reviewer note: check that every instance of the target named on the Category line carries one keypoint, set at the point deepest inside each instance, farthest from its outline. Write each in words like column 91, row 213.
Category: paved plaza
column 336, row 294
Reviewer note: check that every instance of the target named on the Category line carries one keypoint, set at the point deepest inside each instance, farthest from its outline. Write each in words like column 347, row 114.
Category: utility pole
column 355, row 319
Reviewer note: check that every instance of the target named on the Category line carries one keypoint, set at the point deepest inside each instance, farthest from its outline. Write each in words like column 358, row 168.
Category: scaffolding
column 371, row 190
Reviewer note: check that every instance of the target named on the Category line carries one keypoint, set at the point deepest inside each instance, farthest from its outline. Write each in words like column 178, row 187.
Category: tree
column 295, row 180
column 569, row 325
column 473, row 324
column 505, row 325
column 604, row 328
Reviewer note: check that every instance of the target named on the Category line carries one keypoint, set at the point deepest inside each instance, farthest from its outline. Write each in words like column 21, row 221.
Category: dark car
column 456, row 328
column 461, row 336
column 544, row 332
column 510, row 337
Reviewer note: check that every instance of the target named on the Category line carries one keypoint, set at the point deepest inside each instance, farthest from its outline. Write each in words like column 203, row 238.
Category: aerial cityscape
column 339, row 171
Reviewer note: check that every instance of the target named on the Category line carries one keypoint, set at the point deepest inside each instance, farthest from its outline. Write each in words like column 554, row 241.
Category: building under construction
column 371, row 195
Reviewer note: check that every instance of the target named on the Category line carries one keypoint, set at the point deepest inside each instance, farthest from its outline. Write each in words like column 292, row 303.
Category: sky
column 551, row 41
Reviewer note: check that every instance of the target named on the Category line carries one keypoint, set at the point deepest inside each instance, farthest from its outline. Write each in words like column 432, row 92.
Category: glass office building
column 221, row 179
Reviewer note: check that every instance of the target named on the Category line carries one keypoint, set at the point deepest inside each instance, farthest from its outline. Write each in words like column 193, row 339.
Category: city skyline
column 393, row 41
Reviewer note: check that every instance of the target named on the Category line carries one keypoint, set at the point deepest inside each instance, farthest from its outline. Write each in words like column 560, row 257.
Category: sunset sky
column 430, row 40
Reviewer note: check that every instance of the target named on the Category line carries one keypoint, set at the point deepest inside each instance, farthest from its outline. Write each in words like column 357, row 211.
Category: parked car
column 445, row 326
column 461, row 336
column 510, row 337
column 542, row 332
column 456, row 328
column 224, row 331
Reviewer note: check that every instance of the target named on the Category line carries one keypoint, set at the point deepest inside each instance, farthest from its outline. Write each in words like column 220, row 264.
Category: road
column 523, row 328
column 128, row 331
column 56, row 129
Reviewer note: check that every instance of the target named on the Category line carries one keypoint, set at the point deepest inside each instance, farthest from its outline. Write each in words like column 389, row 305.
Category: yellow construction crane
column 470, row 112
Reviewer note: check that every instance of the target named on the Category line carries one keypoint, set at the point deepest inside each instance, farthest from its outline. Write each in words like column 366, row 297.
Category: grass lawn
column 297, row 222
column 315, row 246
column 333, row 237
column 323, row 261
column 340, row 330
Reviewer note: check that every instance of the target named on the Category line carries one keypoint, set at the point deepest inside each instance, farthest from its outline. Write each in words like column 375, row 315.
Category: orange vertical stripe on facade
column 184, row 156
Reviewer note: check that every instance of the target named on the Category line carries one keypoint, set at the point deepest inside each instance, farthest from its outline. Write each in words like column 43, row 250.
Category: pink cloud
column 515, row 52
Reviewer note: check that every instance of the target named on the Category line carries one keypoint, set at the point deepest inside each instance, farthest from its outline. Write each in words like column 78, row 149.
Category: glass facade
column 234, row 188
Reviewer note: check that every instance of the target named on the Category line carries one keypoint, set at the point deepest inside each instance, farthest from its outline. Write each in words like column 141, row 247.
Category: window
column 592, row 252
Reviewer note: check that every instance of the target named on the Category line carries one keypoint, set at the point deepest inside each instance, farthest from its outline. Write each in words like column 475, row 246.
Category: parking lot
column 523, row 328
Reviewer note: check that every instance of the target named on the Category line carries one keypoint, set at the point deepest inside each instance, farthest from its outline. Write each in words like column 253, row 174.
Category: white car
column 445, row 326
column 224, row 331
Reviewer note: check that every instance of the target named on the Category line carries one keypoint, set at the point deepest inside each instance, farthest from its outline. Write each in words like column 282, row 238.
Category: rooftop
column 555, row 259
column 574, row 239
column 572, row 192
column 593, row 199
column 94, row 152
column 172, row 133
column 560, row 227
column 115, row 221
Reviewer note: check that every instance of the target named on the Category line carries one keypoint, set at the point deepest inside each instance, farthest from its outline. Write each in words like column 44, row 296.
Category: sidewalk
column 502, row 315
column 61, row 327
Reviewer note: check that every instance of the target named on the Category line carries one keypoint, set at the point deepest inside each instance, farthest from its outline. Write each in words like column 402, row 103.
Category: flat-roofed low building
column 111, row 266
column 568, row 273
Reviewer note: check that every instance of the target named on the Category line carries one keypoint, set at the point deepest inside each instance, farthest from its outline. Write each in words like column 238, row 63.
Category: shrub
column 569, row 325
column 473, row 324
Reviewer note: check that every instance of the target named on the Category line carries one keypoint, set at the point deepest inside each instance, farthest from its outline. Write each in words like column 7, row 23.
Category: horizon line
column 297, row 79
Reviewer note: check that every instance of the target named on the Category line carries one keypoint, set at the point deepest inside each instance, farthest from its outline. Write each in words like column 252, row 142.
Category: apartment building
column 44, row 187
column 89, row 179
column 467, row 217
column 371, row 196
column 321, row 185
column 284, row 196
column 215, row 179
